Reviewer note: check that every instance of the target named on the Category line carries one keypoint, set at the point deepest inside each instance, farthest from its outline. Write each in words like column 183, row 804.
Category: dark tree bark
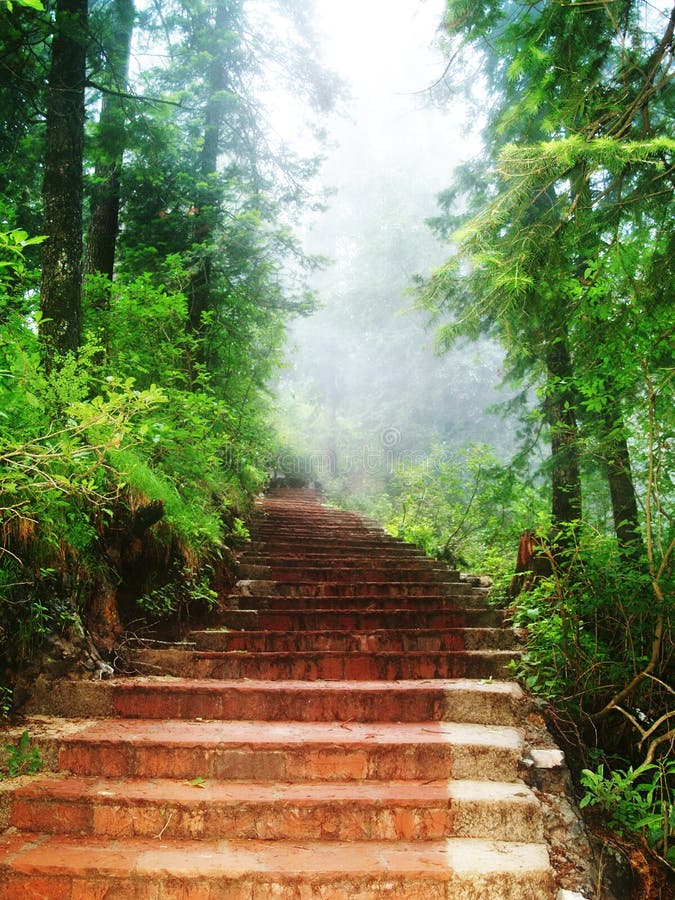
column 208, row 200
column 105, row 201
column 622, row 489
column 560, row 404
column 61, row 290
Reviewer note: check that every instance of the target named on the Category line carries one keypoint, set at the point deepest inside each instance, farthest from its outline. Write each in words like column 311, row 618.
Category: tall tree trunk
column 565, row 473
column 111, row 135
column 208, row 200
column 621, row 488
column 61, row 289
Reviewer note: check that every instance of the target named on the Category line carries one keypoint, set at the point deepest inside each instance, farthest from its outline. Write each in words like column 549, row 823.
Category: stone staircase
column 347, row 731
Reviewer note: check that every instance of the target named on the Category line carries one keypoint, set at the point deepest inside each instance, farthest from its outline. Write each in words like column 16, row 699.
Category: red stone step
column 375, row 589
column 291, row 556
column 302, row 534
column 346, row 811
column 281, row 751
column 321, row 548
column 365, row 572
column 417, row 639
column 64, row 866
column 306, row 533
column 325, row 665
column 460, row 700
column 454, row 605
column 294, row 619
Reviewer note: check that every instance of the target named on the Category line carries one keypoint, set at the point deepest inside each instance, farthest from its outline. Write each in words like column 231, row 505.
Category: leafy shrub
column 459, row 506
column 86, row 446
column 20, row 759
column 636, row 800
column 185, row 588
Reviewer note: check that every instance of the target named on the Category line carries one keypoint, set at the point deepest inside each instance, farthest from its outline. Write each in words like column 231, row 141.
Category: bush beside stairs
column 347, row 730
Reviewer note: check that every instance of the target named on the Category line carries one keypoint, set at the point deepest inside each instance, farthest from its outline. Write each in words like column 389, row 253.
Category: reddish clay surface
column 344, row 733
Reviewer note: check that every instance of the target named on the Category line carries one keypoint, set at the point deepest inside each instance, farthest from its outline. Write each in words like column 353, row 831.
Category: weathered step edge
column 324, row 665
column 384, row 811
column 479, row 701
column 453, row 868
column 282, row 751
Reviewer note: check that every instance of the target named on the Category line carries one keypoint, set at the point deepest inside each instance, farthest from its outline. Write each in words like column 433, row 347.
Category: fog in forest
column 364, row 388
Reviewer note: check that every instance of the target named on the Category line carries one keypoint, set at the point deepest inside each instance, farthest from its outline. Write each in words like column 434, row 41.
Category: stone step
column 344, row 811
column 457, row 605
column 335, row 619
column 331, row 549
column 292, row 557
column 427, row 640
column 306, row 531
column 460, row 700
column 365, row 572
column 370, row 589
column 61, row 866
column 308, row 534
column 284, row 751
column 324, row 665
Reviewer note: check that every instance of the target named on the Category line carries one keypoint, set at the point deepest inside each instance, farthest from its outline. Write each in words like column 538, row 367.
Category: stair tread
column 165, row 697
column 269, row 654
column 259, row 860
column 282, row 734
column 444, row 685
column 413, row 792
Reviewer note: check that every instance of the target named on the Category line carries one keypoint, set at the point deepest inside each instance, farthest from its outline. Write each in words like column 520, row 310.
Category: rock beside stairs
column 347, row 730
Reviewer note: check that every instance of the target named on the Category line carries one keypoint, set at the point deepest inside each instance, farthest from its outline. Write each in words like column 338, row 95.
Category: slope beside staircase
column 348, row 730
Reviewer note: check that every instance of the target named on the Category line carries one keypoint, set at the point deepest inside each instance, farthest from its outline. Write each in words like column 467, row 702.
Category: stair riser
column 385, row 641
column 376, row 589
column 480, row 704
column 345, row 575
column 328, row 706
column 345, row 821
column 313, row 666
column 455, row 605
column 293, row 558
column 298, row 541
column 310, row 762
column 264, row 886
column 338, row 545
column 354, row 620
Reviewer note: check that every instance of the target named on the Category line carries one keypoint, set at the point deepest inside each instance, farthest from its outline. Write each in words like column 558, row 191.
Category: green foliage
column 80, row 447
column 21, row 758
column 590, row 625
column 563, row 246
column 31, row 4
column 185, row 589
column 460, row 506
column 58, row 488
column 636, row 800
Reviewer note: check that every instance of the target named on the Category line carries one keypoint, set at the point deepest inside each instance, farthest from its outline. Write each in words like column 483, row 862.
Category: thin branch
column 650, row 731
column 669, row 736
column 431, row 87
column 126, row 95
column 662, row 683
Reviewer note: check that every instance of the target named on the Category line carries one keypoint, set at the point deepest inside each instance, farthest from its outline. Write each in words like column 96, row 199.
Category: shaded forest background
column 155, row 253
